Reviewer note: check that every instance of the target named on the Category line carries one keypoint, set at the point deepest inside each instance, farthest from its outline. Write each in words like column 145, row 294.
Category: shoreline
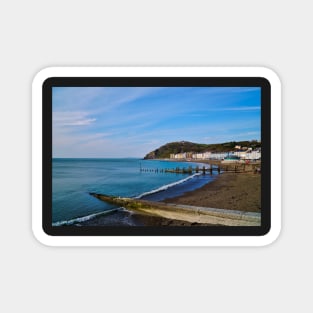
column 179, row 212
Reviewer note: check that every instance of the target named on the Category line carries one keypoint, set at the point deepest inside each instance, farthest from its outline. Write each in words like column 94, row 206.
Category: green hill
column 164, row 151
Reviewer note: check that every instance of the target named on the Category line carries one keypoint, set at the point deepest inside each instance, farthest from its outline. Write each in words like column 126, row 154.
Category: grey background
column 37, row 34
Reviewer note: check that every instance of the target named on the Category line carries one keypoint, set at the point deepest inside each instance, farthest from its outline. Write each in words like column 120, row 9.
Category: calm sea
column 74, row 179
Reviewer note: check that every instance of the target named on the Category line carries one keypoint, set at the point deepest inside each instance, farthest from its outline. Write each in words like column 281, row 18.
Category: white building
column 206, row 155
column 218, row 156
column 253, row 155
column 240, row 154
column 201, row 156
column 197, row 156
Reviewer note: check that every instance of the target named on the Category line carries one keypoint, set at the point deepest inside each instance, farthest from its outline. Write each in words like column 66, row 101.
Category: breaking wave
column 165, row 187
column 84, row 218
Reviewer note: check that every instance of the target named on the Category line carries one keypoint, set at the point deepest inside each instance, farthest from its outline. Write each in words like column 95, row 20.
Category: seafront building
column 219, row 156
column 178, row 156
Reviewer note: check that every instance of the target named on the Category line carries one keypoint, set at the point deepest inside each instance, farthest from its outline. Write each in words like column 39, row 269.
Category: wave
column 165, row 187
column 84, row 218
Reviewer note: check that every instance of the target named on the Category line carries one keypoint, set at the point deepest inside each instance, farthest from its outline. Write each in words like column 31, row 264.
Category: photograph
column 156, row 156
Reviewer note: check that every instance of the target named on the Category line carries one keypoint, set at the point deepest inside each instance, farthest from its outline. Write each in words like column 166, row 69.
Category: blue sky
column 132, row 121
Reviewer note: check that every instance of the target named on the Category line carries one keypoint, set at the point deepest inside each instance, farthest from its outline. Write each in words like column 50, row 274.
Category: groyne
column 192, row 214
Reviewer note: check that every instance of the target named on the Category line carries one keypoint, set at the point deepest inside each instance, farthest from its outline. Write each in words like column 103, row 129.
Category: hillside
column 164, row 151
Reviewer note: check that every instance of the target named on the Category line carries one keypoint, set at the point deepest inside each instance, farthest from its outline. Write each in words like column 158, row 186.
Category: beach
column 231, row 191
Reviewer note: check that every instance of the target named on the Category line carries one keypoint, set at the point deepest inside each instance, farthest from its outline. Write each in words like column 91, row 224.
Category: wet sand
column 231, row 191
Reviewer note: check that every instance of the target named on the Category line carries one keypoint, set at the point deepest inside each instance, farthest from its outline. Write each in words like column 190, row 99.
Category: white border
column 161, row 240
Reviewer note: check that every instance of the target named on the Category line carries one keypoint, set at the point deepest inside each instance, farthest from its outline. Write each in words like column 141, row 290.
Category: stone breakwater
column 188, row 213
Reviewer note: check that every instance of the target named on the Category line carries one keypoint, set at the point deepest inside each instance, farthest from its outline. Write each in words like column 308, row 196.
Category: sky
column 110, row 122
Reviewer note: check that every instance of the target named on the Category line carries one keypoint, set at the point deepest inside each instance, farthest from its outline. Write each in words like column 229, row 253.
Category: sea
column 74, row 179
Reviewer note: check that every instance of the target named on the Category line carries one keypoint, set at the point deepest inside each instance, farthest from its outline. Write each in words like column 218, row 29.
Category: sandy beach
column 232, row 191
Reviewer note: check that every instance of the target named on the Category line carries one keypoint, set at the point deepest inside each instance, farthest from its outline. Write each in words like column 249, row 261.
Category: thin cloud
column 72, row 119
column 83, row 122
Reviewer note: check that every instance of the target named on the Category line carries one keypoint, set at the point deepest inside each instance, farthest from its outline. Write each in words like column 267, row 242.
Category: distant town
column 239, row 153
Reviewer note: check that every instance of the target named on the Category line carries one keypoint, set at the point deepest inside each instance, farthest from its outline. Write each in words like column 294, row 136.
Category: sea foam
column 165, row 187
column 83, row 218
